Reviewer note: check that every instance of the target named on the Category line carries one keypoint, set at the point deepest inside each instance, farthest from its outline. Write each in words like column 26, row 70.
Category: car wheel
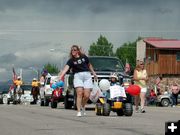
column 46, row 102
column 42, row 103
column 75, row 101
column 67, row 104
column 165, row 102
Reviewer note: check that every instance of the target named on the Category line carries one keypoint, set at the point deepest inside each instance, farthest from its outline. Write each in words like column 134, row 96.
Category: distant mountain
column 6, row 82
column 4, row 86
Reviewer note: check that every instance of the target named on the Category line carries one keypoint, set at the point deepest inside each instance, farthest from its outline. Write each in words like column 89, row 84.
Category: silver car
column 165, row 100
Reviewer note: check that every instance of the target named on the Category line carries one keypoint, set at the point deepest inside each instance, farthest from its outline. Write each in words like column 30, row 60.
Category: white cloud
column 2, row 70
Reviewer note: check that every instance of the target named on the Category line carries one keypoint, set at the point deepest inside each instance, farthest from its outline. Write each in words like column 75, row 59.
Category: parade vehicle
column 103, row 66
column 57, row 93
column 117, row 101
column 48, row 94
column 15, row 98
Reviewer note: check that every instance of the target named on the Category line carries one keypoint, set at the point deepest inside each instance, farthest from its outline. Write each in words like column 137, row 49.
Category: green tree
column 101, row 48
column 51, row 68
column 127, row 52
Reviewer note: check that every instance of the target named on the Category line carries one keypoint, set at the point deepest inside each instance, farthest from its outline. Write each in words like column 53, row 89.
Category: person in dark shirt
column 174, row 93
column 79, row 64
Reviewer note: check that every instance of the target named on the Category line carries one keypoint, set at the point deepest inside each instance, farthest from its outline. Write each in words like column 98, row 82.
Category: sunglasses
column 74, row 50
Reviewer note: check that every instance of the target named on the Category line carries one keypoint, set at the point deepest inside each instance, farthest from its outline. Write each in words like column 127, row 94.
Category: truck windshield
column 106, row 64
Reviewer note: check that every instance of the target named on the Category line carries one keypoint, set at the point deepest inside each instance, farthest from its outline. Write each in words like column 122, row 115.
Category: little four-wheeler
column 15, row 97
column 57, row 93
column 51, row 93
column 117, row 102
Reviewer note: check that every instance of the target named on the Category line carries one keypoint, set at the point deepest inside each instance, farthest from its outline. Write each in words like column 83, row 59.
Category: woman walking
column 79, row 64
column 140, row 78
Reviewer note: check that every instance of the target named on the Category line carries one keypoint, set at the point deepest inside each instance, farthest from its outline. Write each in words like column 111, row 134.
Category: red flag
column 14, row 74
column 127, row 67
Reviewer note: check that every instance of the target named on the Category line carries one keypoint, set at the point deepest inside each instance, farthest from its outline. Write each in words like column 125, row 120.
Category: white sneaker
column 83, row 112
column 79, row 114
column 137, row 109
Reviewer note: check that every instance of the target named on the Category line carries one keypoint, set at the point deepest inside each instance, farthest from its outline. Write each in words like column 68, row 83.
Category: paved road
column 36, row 120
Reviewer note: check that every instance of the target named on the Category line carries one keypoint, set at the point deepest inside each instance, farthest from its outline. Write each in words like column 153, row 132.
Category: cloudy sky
column 34, row 32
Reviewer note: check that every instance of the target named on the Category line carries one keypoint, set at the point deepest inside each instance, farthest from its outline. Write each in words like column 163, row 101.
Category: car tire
column 75, row 100
column 67, row 104
column 165, row 102
column 46, row 102
column 42, row 103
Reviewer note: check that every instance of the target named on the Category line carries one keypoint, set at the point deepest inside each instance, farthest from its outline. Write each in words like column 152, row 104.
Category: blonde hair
column 138, row 65
column 174, row 83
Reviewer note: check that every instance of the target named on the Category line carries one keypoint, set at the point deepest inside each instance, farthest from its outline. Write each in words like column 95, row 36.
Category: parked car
column 103, row 66
column 165, row 100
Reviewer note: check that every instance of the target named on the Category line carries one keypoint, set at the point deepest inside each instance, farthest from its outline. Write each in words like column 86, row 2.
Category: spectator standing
column 174, row 93
column 158, row 85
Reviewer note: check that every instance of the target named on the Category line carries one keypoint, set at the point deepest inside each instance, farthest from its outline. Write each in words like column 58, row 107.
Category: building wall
column 166, row 82
column 140, row 50
column 165, row 64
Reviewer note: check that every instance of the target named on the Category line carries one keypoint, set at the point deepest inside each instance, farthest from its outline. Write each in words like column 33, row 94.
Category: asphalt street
column 36, row 120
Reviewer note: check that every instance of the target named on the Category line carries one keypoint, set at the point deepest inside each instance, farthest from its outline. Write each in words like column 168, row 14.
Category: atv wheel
column 98, row 109
column 106, row 109
column 53, row 104
column 120, row 112
column 128, row 109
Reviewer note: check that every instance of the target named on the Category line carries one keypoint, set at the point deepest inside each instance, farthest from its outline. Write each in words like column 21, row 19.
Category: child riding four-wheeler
column 117, row 101
column 57, row 94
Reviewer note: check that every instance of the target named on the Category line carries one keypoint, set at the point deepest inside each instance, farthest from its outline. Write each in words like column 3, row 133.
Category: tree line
column 102, row 47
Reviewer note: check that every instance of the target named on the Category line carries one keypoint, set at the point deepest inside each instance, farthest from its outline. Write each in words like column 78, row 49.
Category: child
column 113, row 81
column 174, row 95
column 152, row 97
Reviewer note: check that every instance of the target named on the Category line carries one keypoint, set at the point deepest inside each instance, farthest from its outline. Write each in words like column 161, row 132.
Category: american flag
column 157, row 81
column 14, row 74
column 127, row 67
